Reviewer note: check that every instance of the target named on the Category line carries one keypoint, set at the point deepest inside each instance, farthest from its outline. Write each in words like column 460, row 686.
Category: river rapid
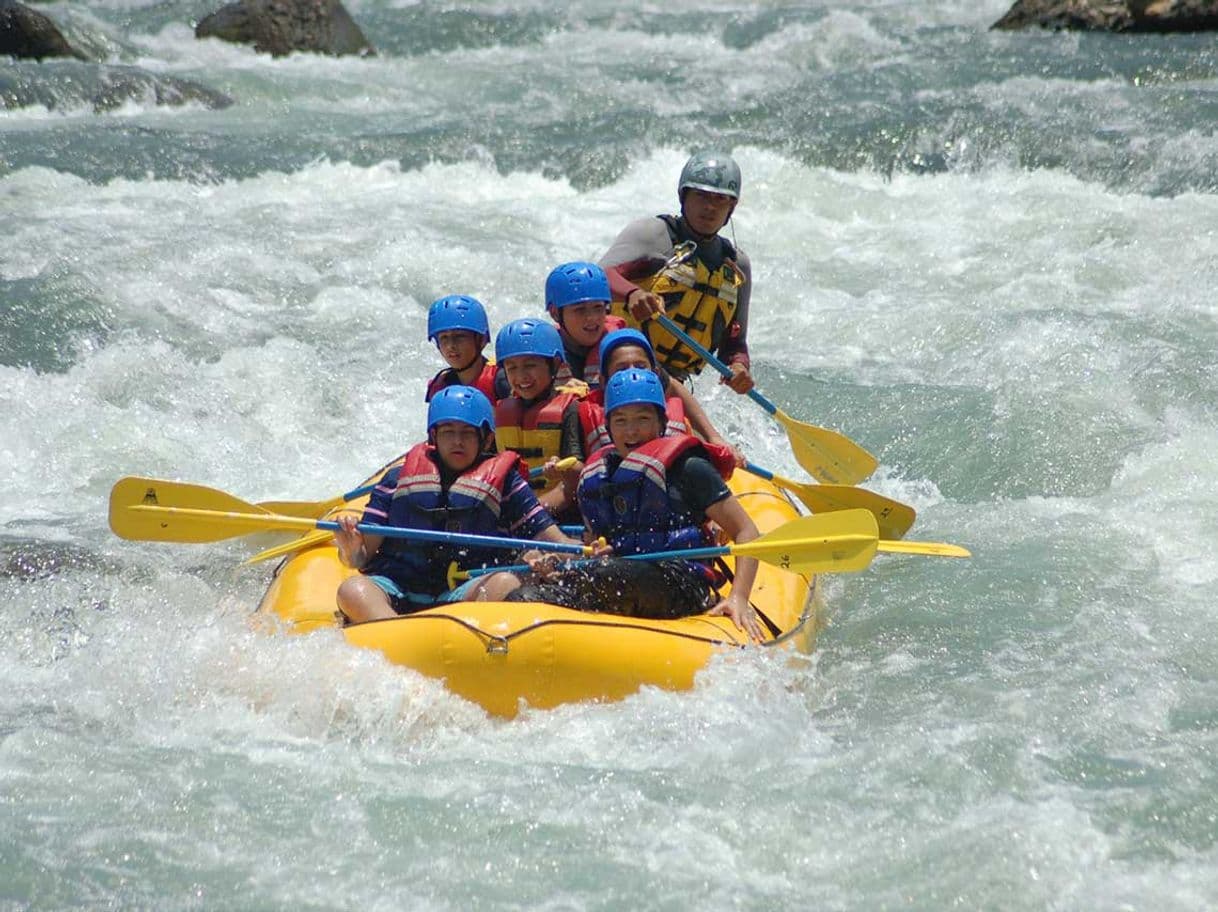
column 989, row 258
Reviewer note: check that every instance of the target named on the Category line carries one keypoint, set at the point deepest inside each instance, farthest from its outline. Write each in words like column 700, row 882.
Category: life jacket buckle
column 681, row 253
column 497, row 645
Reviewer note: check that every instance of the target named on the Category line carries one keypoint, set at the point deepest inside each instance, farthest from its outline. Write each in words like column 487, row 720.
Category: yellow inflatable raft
column 504, row 656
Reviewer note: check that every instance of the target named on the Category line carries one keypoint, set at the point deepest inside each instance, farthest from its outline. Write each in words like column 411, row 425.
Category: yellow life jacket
column 701, row 302
column 535, row 433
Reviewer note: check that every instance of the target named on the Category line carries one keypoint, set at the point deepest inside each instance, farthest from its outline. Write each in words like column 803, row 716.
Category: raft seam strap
column 473, row 628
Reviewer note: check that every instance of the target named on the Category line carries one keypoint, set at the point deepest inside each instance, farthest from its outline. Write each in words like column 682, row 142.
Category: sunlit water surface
column 989, row 258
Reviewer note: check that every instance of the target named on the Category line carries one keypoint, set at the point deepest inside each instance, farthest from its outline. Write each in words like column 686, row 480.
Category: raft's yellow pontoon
column 501, row 655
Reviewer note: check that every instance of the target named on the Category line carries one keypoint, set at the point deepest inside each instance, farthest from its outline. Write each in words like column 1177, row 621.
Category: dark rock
column 68, row 85
column 27, row 33
column 118, row 85
column 1113, row 15
column 279, row 27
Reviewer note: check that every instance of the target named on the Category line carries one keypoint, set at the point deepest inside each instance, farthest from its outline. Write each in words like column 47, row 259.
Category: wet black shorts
column 612, row 585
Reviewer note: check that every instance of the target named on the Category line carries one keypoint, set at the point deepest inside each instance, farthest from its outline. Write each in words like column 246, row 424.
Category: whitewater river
column 989, row 258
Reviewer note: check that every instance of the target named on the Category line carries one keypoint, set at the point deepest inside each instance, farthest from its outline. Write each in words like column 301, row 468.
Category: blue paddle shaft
column 457, row 538
column 712, row 360
column 687, row 554
column 359, row 492
column 759, row 471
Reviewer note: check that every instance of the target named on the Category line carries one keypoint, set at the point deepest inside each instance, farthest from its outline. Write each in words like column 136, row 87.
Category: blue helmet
column 461, row 403
column 624, row 337
column 457, row 312
column 528, row 336
column 576, row 283
column 633, row 387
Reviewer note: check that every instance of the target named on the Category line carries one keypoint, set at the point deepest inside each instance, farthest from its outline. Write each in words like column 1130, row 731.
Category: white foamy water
column 1028, row 348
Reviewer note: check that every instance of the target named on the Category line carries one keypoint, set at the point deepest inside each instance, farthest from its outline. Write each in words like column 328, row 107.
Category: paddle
column 826, row 455
column 924, row 548
column 894, row 518
column 149, row 509
column 315, row 509
column 833, row 543
column 312, row 509
column 296, row 544
column 896, row 547
column 303, row 508
column 841, row 542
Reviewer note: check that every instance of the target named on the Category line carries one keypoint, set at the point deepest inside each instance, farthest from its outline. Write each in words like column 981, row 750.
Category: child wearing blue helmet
column 458, row 326
column 651, row 491
column 538, row 420
column 629, row 348
column 577, row 298
column 450, row 483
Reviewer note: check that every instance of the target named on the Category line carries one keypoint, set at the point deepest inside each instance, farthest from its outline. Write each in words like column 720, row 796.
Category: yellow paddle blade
column 321, row 536
column 893, row 517
column 928, row 549
column 305, row 509
column 840, row 542
column 826, row 455
column 316, row 509
column 150, row 509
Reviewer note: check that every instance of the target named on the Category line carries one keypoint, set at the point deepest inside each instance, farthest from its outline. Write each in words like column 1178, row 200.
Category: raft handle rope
column 804, row 616
column 775, row 630
column 498, row 644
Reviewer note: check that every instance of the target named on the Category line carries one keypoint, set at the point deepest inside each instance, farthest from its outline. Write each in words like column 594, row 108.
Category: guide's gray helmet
column 713, row 172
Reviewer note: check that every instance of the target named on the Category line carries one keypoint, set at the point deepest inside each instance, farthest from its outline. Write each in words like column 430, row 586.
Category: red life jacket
column 471, row 505
column 632, row 506
column 596, row 434
column 484, row 382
